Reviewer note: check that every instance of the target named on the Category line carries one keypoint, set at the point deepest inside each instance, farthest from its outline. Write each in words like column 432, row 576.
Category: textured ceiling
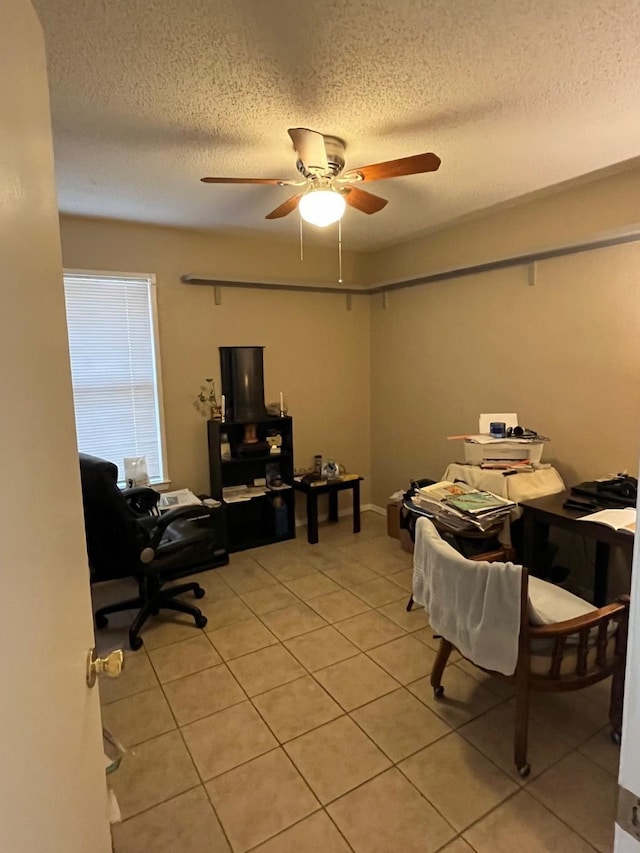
column 514, row 95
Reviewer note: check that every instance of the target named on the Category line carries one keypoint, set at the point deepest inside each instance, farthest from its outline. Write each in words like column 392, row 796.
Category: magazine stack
column 461, row 507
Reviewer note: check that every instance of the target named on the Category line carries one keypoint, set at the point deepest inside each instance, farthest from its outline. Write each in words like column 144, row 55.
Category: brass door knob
column 112, row 665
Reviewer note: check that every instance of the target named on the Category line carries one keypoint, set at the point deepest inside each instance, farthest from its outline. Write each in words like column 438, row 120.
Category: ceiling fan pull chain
column 339, row 251
column 301, row 244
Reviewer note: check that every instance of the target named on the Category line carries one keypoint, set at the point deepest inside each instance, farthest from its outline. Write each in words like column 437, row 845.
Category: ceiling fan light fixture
column 322, row 207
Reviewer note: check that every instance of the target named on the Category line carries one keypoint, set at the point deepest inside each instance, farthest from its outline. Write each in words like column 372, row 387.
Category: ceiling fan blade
column 285, row 208
column 364, row 201
column 396, row 168
column 279, row 182
column 310, row 147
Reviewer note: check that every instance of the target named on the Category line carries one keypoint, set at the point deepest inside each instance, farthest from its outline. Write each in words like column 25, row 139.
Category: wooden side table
column 330, row 487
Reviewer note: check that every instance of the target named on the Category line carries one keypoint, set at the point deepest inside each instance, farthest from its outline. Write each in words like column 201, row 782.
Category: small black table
column 542, row 513
column 330, row 487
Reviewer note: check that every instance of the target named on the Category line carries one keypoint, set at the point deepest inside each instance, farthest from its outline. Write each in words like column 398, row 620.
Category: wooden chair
column 557, row 657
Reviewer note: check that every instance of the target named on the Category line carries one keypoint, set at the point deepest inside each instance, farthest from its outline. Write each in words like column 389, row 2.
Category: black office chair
column 125, row 539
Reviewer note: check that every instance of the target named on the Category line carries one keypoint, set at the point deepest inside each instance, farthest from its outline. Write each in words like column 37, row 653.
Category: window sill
column 158, row 485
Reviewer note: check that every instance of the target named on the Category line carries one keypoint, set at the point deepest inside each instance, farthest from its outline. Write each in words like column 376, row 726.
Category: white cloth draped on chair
column 475, row 605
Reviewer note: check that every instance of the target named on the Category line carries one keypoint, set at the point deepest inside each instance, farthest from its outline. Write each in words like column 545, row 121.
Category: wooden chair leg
column 617, row 699
column 617, row 682
column 442, row 657
column 410, row 603
column 522, row 723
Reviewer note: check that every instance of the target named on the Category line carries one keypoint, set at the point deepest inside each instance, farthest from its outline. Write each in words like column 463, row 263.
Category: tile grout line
column 178, row 727
column 399, row 686
column 347, row 713
column 297, row 823
column 281, row 744
column 550, row 810
column 512, row 796
column 189, row 753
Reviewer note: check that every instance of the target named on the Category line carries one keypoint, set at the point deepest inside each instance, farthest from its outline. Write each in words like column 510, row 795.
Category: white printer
column 516, row 444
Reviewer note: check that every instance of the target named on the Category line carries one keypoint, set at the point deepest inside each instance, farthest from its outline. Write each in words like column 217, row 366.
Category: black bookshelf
column 259, row 521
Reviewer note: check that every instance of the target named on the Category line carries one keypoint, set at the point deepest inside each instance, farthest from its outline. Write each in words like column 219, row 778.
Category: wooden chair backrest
column 558, row 633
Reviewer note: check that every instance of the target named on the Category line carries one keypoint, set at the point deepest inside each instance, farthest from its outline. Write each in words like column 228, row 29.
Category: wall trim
column 444, row 275
column 268, row 285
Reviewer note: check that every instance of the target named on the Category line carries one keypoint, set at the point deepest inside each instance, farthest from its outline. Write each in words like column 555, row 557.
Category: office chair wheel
column 201, row 621
column 524, row 771
column 198, row 593
column 101, row 621
column 135, row 643
column 616, row 737
column 438, row 692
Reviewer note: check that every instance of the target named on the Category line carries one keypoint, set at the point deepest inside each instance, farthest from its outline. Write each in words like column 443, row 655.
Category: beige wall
column 380, row 389
column 556, row 218
column 316, row 352
column 564, row 353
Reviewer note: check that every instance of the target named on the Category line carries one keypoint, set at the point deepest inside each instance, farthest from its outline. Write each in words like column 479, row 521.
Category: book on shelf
column 616, row 519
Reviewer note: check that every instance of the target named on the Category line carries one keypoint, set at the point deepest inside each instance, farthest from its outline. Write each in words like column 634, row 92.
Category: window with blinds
column 111, row 322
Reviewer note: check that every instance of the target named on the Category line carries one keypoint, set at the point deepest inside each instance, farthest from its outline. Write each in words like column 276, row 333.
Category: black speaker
column 242, row 374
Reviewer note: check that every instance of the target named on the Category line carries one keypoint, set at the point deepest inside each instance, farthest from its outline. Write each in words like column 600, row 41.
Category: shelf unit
column 257, row 521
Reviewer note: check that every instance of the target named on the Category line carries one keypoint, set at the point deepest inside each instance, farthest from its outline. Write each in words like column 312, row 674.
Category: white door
column 629, row 777
column 52, row 781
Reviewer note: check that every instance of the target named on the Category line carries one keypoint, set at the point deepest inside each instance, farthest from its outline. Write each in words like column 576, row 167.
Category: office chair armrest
column 140, row 490
column 141, row 499
column 166, row 518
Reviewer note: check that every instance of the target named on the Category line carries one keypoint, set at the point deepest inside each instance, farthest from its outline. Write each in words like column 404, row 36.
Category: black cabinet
column 240, row 454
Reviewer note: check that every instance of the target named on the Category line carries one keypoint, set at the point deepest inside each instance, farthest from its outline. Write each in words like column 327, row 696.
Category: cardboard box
column 406, row 543
column 393, row 520
column 393, row 527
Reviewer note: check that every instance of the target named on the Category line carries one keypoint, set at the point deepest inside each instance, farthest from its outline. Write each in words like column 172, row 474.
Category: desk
column 543, row 513
column 330, row 487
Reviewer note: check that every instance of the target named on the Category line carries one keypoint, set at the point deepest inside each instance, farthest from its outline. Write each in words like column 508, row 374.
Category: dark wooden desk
column 330, row 487
column 542, row 513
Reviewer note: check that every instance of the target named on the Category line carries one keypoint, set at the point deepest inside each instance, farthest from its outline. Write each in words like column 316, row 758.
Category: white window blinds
column 114, row 369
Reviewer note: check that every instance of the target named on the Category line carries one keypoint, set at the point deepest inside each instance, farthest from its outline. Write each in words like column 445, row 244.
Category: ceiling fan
column 326, row 188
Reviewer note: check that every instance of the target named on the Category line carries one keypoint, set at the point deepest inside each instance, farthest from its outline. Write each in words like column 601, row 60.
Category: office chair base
column 150, row 602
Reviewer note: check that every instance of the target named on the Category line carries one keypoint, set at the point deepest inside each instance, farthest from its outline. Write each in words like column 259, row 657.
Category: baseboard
column 302, row 521
column 375, row 508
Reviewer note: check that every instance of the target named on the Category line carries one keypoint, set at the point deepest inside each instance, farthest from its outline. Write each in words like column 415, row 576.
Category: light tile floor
column 301, row 720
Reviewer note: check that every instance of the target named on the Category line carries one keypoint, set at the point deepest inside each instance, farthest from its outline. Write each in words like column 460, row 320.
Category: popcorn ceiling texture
column 148, row 96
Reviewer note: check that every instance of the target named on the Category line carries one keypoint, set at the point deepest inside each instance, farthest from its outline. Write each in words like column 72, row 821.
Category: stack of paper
column 460, row 505
column 235, row 494
column 180, row 497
